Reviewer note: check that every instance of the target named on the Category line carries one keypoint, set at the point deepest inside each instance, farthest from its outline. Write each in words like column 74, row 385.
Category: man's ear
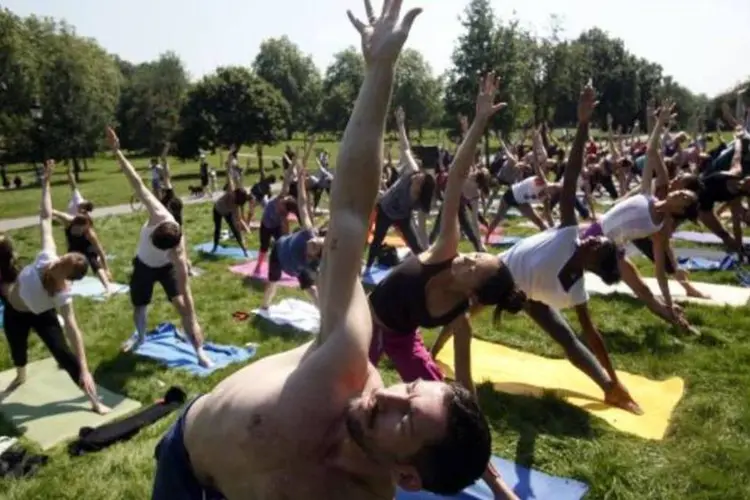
column 407, row 478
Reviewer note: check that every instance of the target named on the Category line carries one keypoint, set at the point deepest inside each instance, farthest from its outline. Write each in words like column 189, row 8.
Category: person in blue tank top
column 296, row 254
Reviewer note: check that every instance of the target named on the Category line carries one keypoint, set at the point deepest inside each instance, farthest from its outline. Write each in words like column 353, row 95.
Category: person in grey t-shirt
column 413, row 189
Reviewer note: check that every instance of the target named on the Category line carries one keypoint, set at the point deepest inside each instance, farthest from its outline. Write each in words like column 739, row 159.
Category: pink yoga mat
column 248, row 267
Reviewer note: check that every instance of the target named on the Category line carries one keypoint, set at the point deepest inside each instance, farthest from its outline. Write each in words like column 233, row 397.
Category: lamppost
column 37, row 114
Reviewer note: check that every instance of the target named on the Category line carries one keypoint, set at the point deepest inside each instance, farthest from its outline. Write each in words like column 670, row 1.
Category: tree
column 78, row 86
column 152, row 97
column 340, row 89
column 417, row 91
column 282, row 64
column 474, row 54
column 231, row 106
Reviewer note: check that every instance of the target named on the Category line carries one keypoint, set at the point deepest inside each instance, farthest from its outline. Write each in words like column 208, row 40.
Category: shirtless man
column 316, row 421
column 160, row 257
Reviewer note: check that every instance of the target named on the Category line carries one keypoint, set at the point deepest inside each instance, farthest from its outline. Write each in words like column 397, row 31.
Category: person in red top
column 591, row 148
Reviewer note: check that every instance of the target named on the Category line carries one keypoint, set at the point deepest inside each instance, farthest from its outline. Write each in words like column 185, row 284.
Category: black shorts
column 143, row 279
column 265, row 236
column 509, row 199
column 94, row 262
column 306, row 278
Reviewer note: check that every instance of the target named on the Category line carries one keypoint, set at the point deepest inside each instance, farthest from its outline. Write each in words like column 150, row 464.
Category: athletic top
column 147, row 252
column 640, row 163
column 629, row 220
column 396, row 202
column 271, row 217
column 400, row 300
column 716, row 189
column 535, row 263
column 75, row 200
column 78, row 243
column 31, row 290
column 528, row 189
column 291, row 249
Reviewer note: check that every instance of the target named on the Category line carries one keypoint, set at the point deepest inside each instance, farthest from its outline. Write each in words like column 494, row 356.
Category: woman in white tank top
column 521, row 194
column 647, row 217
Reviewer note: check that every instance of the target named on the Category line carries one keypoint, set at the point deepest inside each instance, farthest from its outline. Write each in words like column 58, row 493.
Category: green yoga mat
column 50, row 409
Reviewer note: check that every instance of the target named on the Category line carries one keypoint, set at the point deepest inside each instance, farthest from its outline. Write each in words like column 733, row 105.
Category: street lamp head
column 36, row 111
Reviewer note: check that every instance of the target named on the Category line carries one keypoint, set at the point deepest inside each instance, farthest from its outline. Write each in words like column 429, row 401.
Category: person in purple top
column 296, row 254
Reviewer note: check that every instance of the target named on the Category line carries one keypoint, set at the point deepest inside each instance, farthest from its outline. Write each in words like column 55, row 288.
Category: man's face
column 392, row 424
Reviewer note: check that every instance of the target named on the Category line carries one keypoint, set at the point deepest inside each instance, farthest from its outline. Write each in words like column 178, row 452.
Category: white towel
column 6, row 442
column 296, row 313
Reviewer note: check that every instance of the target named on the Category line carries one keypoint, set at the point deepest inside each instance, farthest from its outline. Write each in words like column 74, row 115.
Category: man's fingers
column 370, row 13
column 358, row 25
column 409, row 18
column 394, row 10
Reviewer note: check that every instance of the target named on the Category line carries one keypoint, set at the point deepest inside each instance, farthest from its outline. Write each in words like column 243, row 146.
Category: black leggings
column 646, row 247
column 554, row 324
column 382, row 224
column 17, row 326
column 606, row 182
column 463, row 222
column 232, row 227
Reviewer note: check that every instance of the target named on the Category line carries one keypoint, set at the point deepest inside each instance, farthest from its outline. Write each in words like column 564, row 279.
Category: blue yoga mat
column 706, row 264
column 2, row 309
column 705, row 238
column 223, row 251
column 375, row 275
column 167, row 345
column 92, row 288
column 505, row 241
column 526, row 483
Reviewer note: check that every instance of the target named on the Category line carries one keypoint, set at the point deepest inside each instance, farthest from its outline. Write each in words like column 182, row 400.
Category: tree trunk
column 259, row 153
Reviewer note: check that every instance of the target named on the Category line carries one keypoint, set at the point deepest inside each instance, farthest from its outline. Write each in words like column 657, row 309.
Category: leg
column 141, row 291
column 307, row 284
column 555, row 325
column 468, row 228
column 274, row 276
column 409, row 232
column 382, row 224
column 217, row 228
column 16, row 326
column 235, row 231
column 168, row 281
column 528, row 211
column 265, row 244
column 410, row 357
column 505, row 205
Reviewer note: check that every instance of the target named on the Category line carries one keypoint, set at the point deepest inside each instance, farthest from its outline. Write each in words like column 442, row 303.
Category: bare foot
column 619, row 397
column 100, row 408
column 132, row 344
column 693, row 292
column 204, row 360
column 15, row 384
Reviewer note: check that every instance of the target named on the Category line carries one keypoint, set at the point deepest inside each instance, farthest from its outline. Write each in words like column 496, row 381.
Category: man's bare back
column 245, row 439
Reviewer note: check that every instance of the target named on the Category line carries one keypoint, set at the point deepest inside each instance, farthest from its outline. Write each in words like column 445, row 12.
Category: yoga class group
column 322, row 424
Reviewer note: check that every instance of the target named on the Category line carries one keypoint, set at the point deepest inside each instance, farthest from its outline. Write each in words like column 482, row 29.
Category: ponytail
column 8, row 265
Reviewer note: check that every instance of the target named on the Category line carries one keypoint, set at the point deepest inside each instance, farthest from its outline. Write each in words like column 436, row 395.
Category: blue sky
column 704, row 45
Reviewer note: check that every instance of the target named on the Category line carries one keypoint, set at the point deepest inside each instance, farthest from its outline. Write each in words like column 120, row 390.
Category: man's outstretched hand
column 383, row 37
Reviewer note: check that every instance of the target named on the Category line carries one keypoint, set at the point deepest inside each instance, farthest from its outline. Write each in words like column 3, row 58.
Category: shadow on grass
column 531, row 417
column 267, row 329
column 8, row 429
column 115, row 373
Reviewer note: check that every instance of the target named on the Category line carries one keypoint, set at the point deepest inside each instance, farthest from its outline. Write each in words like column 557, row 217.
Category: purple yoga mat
column 705, row 238
column 247, row 269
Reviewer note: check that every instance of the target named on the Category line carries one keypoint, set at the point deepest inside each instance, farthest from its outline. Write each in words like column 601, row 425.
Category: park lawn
column 706, row 454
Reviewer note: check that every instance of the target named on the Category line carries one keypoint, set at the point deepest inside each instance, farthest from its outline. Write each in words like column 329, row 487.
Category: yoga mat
column 705, row 238
column 167, row 345
column 500, row 240
column 374, row 275
column 224, row 251
column 391, row 240
column 92, row 288
column 517, row 372
column 296, row 313
column 706, row 264
column 528, row 484
column 247, row 269
column 721, row 295
column 50, row 409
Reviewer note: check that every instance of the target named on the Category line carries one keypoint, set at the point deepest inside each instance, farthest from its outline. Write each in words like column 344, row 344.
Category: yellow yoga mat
column 517, row 372
column 50, row 409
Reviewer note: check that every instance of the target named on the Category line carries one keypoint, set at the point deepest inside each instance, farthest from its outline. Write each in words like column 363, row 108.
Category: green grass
column 706, row 454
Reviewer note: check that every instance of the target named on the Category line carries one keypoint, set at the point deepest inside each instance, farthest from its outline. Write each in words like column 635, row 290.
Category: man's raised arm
column 148, row 199
column 586, row 105
column 345, row 313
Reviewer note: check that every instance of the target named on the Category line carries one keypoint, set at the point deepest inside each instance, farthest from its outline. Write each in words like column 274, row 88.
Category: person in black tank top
column 439, row 286
column 81, row 237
